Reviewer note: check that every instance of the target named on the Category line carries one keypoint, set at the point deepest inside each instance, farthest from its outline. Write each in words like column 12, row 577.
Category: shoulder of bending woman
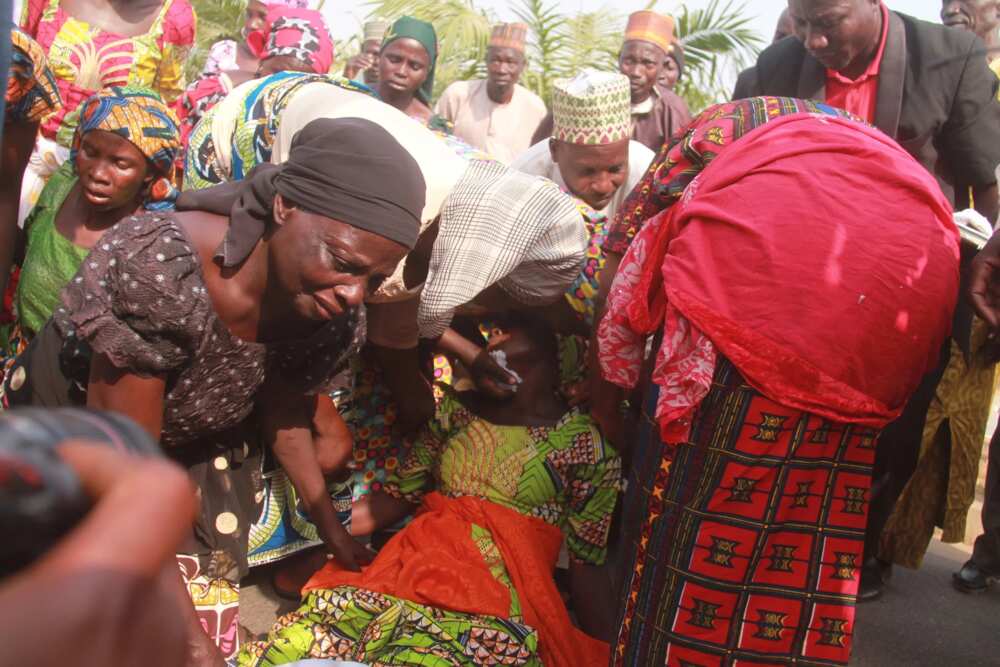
column 205, row 231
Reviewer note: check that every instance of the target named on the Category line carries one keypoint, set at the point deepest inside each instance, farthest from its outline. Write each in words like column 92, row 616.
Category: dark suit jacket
column 936, row 96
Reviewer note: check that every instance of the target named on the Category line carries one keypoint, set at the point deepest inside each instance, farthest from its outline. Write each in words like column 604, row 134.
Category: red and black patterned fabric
column 747, row 538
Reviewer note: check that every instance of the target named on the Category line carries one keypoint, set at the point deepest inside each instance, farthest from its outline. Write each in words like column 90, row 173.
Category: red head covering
column 814, row 253
column 299, row 33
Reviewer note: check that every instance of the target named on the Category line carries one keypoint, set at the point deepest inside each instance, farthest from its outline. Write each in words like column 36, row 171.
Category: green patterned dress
column 567, row 476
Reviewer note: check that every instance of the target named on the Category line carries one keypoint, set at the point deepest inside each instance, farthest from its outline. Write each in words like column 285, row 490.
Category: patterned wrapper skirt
column 745, row 542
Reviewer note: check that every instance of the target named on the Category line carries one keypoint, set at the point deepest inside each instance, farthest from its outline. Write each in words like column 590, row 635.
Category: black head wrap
column 348, row 169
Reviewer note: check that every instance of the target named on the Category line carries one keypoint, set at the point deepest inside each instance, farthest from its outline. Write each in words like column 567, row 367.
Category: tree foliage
column 217, row 19
column 717, row 40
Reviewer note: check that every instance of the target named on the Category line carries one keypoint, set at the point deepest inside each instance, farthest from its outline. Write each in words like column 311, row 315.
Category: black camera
column 41, row 498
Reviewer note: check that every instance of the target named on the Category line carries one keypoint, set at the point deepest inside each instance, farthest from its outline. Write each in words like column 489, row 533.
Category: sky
column 345, row 16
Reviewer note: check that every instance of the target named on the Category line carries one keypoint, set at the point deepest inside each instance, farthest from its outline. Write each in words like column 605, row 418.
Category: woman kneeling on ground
column 218, row 327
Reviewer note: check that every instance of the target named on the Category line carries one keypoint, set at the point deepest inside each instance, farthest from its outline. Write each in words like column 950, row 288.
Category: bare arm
column 18, row 141
column 135, row 396
column 984, row 283
column 490, row 378
column 605, row 397
column 378, row 510
column 985, row 199
column 592, row 592
column 287, row 423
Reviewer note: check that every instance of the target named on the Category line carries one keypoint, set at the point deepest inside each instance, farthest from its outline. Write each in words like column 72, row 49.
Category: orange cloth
column 859, row 96
column 435, row 562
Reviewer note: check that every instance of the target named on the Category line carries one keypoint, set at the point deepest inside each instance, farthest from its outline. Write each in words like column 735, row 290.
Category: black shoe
column 872, row 584
column 970, row 579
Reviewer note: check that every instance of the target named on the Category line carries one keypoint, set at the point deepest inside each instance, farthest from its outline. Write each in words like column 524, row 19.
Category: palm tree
column 716, row 40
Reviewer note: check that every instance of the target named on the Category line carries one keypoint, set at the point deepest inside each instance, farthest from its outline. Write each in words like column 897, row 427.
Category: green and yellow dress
column 469, row 580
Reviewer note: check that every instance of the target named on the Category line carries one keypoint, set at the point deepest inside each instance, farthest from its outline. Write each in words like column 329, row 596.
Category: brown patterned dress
column 140, row 300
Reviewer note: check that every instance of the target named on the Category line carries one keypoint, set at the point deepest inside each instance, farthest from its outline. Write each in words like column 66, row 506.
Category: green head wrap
column 423, row 32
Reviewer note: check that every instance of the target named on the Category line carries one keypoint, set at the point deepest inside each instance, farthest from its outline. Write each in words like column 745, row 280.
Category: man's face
column 838, row 32
column 641, row 62
column 978, row 16
column 503, row 67
column 784, row 28
column 371, row 48
column 592, row 173
column 669, row 73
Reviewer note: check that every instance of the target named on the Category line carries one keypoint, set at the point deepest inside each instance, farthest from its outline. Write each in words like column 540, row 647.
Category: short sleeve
column 415, row 476
column 970, row 139
column 594, row 485
column 139, row 297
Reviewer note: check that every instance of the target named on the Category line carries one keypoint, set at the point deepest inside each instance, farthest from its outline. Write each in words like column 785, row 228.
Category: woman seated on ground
column 498, row 486
column 406, row 66
column 121, row 162
column 289, row 39
column 216, row 329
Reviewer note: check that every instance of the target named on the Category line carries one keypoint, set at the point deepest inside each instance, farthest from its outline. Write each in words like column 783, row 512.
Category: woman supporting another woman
column 217, row 331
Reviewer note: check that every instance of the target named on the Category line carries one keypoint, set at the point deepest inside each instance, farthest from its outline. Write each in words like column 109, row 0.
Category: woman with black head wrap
column 216, row 327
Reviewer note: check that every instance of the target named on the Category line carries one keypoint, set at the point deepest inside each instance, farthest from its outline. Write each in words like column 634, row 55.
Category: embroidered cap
column 592, row 108
column 509, row 36
column 652, row 27
column 374, row 31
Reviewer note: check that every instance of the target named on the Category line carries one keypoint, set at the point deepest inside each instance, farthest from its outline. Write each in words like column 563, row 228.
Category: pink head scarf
column 296, row 32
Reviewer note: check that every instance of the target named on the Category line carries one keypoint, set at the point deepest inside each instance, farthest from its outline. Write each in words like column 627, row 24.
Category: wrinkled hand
column 984, row 283
column 490, row 377
column 348, row 552
column 358, row 63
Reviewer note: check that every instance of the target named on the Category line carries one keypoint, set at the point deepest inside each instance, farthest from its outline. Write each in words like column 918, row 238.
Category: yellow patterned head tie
column 592, row 108
column 652, row 27
column 139, row 115
column 509, row 36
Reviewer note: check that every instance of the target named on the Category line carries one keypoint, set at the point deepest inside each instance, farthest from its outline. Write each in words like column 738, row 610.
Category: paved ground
column 920, row 621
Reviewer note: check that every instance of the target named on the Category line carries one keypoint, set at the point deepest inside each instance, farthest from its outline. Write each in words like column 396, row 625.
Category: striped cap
column 652, row 27
column 509, row 35
column 592, row 108
column 374, row 30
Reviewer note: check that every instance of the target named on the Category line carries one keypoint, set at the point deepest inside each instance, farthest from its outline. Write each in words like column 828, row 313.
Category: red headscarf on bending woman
column 813, row 252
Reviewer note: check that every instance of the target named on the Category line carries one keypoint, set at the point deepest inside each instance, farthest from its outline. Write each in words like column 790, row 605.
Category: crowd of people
column 481, row 378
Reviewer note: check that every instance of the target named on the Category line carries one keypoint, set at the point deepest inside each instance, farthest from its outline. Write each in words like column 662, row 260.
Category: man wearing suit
column 928, row 87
